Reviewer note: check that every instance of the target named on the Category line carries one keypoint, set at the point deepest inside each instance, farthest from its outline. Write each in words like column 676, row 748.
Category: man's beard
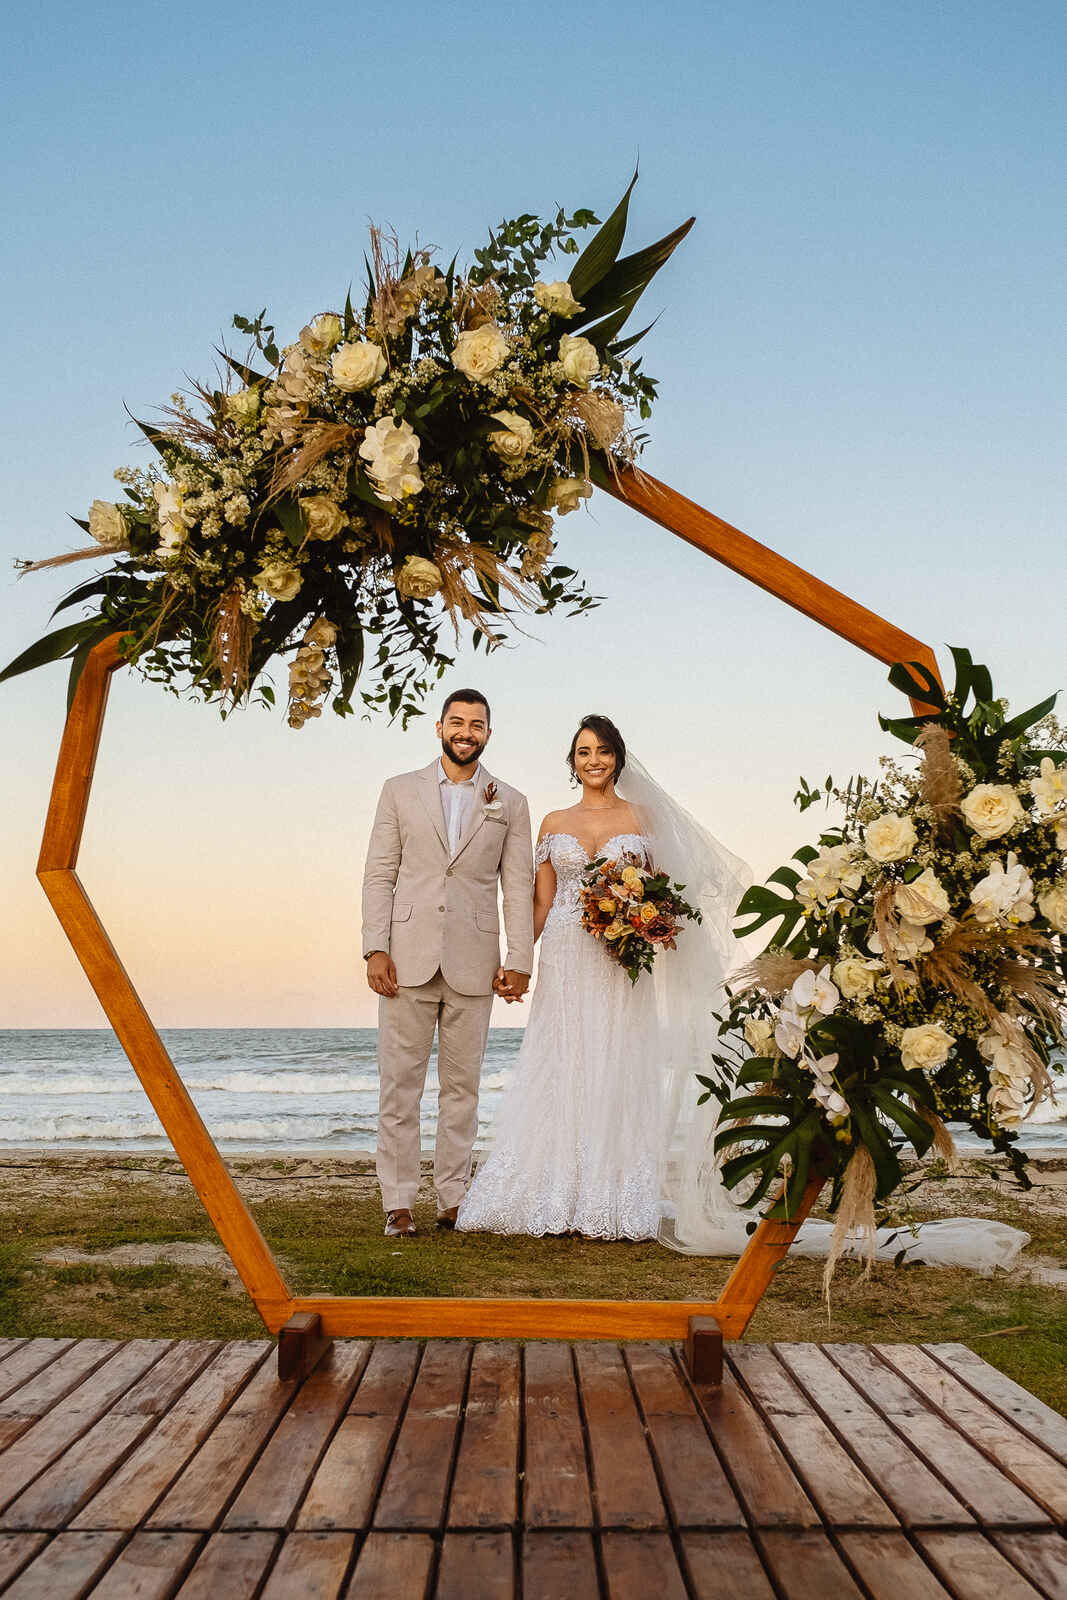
column 462, row 760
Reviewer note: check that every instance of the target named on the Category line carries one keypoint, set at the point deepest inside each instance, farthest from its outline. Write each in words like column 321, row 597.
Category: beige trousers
column 406, row 1025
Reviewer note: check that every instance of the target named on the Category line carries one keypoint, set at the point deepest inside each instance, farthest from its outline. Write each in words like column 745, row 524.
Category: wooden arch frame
column 341, row 1316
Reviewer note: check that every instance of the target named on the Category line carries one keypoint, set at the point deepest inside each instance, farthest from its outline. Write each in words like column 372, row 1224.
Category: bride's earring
column 576, row 782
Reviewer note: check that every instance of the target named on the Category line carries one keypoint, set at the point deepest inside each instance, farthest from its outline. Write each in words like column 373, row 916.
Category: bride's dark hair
column 604, row 729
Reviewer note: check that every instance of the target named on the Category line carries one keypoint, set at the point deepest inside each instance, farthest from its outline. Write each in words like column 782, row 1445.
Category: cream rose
column 759, row 1035
column 243, row 407
column 107, row 524
column 514, row 436
column 321, row 632
column 855, row 977
column 991, row 810
column 557, row 298
column 1053, row 905
column 923, row 900
column 323, row 517
column 926, row 1046
column 279, row 579
column 579, row 359
column 890, row 837
column 480, row 351
column 418, row 578
column 321, row 334
column 566, row 494
column 357, row 366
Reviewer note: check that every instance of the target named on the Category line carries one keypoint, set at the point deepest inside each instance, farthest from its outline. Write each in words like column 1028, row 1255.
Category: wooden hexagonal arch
column 339, row 1316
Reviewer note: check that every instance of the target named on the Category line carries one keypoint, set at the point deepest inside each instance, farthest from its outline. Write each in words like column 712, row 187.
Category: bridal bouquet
column 635, row 910
column 398, row 463
column 918, row 971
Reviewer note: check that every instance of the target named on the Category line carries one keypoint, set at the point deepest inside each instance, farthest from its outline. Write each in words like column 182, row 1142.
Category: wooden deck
column 399, row 1469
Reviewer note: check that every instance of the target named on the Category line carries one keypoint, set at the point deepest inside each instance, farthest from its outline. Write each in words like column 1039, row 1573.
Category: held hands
column 381, row 974
column 510, row 986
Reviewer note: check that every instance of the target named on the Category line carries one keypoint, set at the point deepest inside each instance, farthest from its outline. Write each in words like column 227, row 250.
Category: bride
column 582, row 1140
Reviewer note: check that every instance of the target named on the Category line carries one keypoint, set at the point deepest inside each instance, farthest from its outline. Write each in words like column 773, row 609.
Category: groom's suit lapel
column 430, row 795
column 477, row 812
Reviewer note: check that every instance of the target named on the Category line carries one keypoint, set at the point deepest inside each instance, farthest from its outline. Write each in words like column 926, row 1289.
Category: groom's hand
column 381, row 974
column 512, row 985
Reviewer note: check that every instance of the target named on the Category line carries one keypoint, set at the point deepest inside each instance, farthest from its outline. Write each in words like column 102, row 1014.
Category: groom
column 442, row 840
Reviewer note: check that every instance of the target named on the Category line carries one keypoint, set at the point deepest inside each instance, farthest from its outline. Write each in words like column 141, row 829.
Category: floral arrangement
column 918, row 970
column 395, row 465
column 635, row 910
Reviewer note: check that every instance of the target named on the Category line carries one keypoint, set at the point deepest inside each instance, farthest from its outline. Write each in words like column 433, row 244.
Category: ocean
column 256, row 1089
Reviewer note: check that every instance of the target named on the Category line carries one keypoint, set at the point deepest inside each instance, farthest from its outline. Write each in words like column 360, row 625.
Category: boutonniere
column 492, row 806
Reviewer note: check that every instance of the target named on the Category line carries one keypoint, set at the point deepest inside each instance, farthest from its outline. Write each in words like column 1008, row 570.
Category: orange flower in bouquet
column 635, row 910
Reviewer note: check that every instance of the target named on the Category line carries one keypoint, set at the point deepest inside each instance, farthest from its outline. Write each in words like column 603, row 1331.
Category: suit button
column 440, row 908
column 448, row 872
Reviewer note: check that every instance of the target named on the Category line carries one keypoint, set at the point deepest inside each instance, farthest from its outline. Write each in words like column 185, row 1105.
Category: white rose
column 991, row 809
column 1053, row 906
column 759, row 1035
column 480, row 351
column 926, row 1046
column 107, row 524
column 579, row 359
column 1061, row 834
column 357, row 366
column 923, row 900
column 1004, row 894
column 514, row 436
column 418, row 578
column 321, row 632
column 890, row 837
column 855, row 977
column 279, row 579
column 172, row 528
column 321, row 334
column 1050, row 789
column 243, row 407
column 558, row 298
column 566, row 494
column 323, row 517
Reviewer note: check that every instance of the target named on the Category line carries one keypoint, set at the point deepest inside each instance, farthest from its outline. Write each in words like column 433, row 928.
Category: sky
column 860, row 347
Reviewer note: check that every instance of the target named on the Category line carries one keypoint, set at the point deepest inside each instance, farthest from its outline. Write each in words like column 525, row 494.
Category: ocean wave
column 282, row 1082
column 285, row 1131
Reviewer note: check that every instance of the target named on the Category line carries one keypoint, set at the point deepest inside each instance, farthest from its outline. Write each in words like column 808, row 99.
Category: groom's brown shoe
column 400, row 1225
column 447, row 1217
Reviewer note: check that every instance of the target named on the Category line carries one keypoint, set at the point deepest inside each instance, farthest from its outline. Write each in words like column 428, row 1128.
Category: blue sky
column 861, row 351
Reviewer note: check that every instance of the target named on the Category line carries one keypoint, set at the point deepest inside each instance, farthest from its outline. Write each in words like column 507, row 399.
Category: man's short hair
column 469, row 697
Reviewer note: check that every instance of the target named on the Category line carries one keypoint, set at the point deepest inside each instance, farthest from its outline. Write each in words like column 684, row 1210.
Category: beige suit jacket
column 429, row 909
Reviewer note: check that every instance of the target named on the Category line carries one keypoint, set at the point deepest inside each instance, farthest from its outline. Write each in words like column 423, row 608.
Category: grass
column 339, row 1248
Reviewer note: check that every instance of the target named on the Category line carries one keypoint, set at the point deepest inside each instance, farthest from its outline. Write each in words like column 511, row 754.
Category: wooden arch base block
column 301, row 1345
column 703, row 1350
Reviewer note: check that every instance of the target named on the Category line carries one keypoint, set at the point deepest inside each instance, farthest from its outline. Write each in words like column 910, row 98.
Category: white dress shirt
column 457, row 802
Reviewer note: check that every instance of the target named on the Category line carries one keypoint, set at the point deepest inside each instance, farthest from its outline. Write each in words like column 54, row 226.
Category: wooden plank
column 53, row 1498
column 696, row 1487
column 916, row 1495
column 639, row 1565
column 1041, row 1557
column 76, row 761
column 560, row 1566
column 38, row 1394
column 832, row 1479
column 393, row 1566
column 972, row 1568
column 889, row 1568
column 992, row 1497
column 129, row 1495
column 768, row 1487
column 1025, row 1410
column 230, row 1567
column 150, row 1567
column 625, row 1491
column 477, row 1566
column 67, row 1568
column 805, row 1566
column 279, row 1479
column 57, row 1430
column 205, row 1487
column 415, row 1489
column 1037, row 1473
column 556, row 1478
column 311, row 1565
column 383, row 1317
column 7, row 1346
column 26, row 1357
column 16, row 1551
column 345, row 1486
column 485, row 1485
column 725, row 1566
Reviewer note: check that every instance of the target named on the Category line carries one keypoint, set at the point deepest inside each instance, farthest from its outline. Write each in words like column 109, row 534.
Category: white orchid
column 825, row 1092
column 815, row 991
column 1005, row 895
column 391, row 450
column 790, row 1031
column 906, row 940
column 1050, row 789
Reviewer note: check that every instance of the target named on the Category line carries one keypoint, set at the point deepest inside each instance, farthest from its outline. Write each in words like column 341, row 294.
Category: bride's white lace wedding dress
column 578, row 1141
